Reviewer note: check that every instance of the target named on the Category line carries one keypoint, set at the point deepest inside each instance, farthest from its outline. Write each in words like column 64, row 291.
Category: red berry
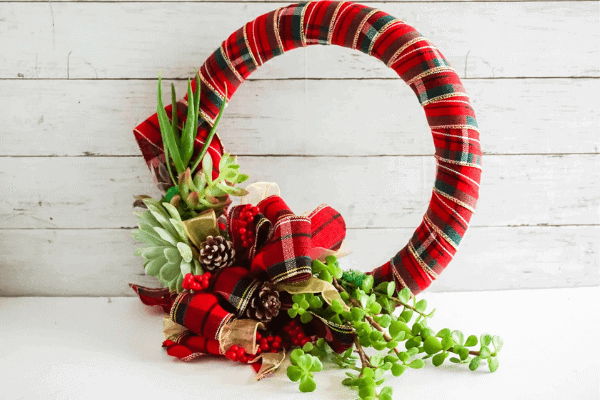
column 234, row 357
column 292, row 323
column 248, row 215
column 304, row 341
column 258, row 336
column 245, row 244
column 264, row 341
column 243, row 223
column 251, row 240
column 274, row 350
column 276, row 345
column 301, row 336
column 208, row 275
column 234, row 348
column 258, row 351
column 242, row 231
column 244, row 359
column 277, row 339
column 264, row 346
column 247, row 206
column 196, row 286
column 270, row 339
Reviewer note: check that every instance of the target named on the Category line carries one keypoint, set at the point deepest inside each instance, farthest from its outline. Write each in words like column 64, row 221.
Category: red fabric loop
column 416, row 60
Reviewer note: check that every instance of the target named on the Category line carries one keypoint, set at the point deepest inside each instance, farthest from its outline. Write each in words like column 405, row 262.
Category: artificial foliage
column 392, row 323
column 275, row 288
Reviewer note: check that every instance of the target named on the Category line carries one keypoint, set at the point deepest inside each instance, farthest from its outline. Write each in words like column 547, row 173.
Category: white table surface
column 110, row 348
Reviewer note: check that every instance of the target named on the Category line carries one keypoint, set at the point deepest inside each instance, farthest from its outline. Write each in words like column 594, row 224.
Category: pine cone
column 216, row 253
column 265, row 304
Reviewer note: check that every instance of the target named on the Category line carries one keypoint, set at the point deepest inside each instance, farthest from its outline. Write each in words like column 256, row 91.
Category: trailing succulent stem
column 372, row 314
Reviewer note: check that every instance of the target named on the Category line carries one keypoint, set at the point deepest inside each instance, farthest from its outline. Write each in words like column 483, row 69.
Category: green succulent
column 196, row 191
column 169, row 255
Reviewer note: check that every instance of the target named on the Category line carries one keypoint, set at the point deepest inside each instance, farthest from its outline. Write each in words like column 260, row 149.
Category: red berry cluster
column 271, row 343
column 246, row 217
column 237, row 353
column 196, row 282
column 296, row 333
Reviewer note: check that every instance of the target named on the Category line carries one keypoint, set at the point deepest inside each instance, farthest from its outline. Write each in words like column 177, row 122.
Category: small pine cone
column 264, row 304
column 216, row 253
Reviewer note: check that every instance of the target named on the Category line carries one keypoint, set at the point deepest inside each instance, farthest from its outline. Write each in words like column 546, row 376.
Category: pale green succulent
column 169, row 255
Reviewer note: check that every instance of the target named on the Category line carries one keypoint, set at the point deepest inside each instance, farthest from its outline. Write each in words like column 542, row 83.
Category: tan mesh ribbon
column 314, row 285
column 270, row 363
column 172, row 329
column 241, row 332
column 198, row 228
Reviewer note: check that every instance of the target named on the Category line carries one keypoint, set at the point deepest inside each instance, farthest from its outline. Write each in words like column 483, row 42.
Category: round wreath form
column 262, row 258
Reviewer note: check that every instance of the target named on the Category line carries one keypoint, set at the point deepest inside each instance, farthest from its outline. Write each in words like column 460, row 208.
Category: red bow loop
column 285, row 244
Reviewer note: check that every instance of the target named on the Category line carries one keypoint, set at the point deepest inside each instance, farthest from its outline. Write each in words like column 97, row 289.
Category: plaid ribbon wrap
column 281, row 251
column 416, row 60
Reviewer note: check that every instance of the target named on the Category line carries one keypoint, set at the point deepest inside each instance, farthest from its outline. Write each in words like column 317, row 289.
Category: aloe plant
column 196, row 189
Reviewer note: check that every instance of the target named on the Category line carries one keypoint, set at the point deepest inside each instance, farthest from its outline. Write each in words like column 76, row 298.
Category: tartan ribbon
column 282, row 249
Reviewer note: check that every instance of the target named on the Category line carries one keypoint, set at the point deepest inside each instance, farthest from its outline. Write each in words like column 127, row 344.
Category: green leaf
column 207, row 168
column 398, row 369
column 172, row 210
column 367, row 284
column 357, row 314
column 292, row 313
column 485, row 339
column 474, row 364
column 295, row 355
column 463, row 352
column 455, row 360
column 185, row 267
column 384, row 320
column 421, row 305
column 438, row 359
column 166, row 236
column 404, row 296
column 497, row 342
column 307, row 347
column 187, row 135
column 316, row 365
column 391, row 288
column 212, row 132
column 397, row 327
column 294, row 373
column 471, row 341
column 417, row 363
column 432, row 345
column 406, row 315
column 387, row 390
column 485, row 352
column 305, row 318
column 174, row 121
column 166, row 131
column 375, row 308
column 458, row 337
column 447, row 342
column 493, row 364
column 307, row 385
column 443, row 333
column 336, row 306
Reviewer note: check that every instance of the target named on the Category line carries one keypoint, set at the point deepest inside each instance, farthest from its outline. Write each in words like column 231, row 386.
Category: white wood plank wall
column 329, row 124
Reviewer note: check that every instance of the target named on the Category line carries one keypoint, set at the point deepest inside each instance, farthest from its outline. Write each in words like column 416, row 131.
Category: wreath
column 255, row 281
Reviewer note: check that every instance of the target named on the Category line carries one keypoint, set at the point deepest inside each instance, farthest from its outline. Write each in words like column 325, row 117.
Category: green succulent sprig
column 393, row 323
column 195, row 186
column 169, row 254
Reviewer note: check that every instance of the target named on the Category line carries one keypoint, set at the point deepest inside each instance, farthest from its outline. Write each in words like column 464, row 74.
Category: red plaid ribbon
column 282, row 248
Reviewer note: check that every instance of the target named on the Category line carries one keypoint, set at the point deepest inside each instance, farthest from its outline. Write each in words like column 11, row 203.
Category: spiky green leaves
column 168, row 255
